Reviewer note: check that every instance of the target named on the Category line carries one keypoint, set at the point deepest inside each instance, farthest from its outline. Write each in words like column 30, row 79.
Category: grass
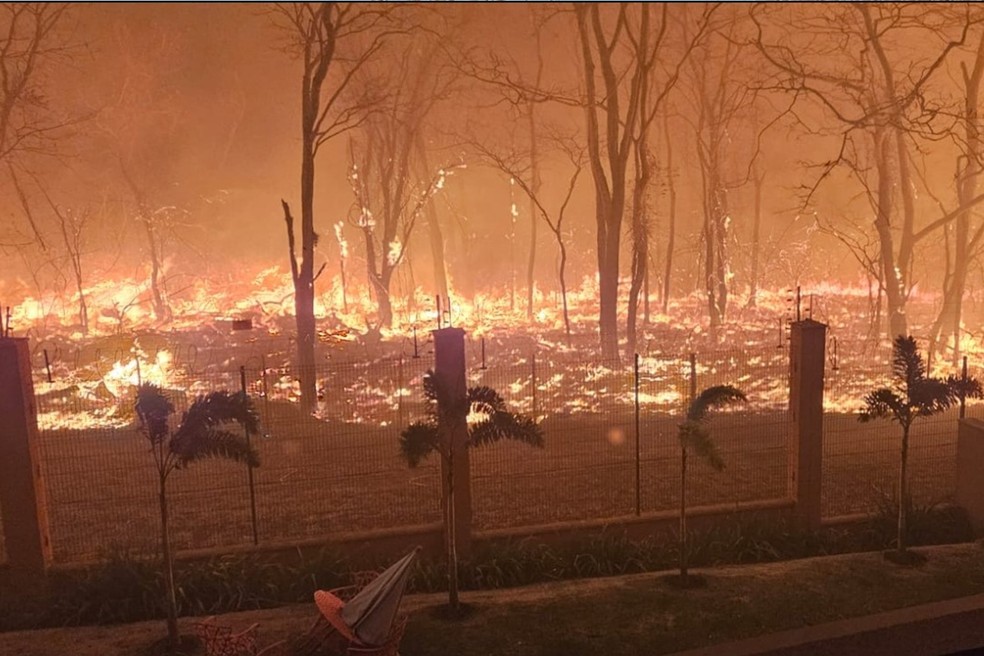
column 618, row 615
column 638, row 615
column 127, row 588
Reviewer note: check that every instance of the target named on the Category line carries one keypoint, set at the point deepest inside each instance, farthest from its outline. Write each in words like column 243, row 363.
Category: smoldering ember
column 491, row 328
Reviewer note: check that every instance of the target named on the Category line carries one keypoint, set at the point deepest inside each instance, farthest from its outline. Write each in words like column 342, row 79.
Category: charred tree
column 517, row 165
column 612, row 105
column 967, row 233
column 670, row 214
column 389, row 196
column 336, row 38
column 878, row 102
column 434, row 232
column 758, row 182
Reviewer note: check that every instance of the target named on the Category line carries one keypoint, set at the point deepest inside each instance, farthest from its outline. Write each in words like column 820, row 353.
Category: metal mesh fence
column 336, row 472
column 339, row 470
column 596, row 464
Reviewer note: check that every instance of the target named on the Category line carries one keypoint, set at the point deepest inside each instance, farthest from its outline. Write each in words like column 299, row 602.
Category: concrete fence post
column 970, row 483
column 449, row 369
column 807, row 356
column 22, row 494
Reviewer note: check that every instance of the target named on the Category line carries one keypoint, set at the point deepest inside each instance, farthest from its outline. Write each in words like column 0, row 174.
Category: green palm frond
column 503, row 425
column 154, row 410
column 907, row 362
column 882, row 403
column 915, row 393
column 485, row 400
column 422, row 438
column 695, row 438
column 212, row 442
column 441, row 405
column 713, row 397
column 202, row 432
column 419, row 440
column 969, row 388
column 927, row 396
column 217, row 408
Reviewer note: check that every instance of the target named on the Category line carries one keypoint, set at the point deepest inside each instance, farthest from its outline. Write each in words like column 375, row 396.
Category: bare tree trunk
column 535, row 188
column 671, row 214
column 608, row 301
column 721, row 219
column 609, row 162
column 384, row 300
column 563, row 287
column 645, row 291
column 759, row 182
column 303, row 317
column 162, row 310
column 640, row 240
column 968, row 173
column 892, row 279
column 435, row 234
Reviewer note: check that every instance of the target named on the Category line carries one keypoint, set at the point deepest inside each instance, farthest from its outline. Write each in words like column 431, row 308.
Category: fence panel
column 334, row 472
column 341, row 471
column 861, row 460
column 587, row 467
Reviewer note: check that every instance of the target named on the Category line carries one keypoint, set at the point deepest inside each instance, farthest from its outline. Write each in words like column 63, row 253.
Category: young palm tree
column 694, row 438
column 203, row 433
column 488, row 422
column 913, row 394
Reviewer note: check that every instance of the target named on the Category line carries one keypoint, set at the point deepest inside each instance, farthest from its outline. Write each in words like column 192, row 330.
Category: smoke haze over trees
column 719, row 150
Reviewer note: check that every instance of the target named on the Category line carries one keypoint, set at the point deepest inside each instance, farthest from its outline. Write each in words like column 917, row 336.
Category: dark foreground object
column 905, row 558
column 187, row 646
column 444, row 612
column 689, row 582
column 944, row 628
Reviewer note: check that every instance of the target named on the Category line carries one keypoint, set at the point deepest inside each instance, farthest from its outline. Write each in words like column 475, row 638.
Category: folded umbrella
column 371, row 613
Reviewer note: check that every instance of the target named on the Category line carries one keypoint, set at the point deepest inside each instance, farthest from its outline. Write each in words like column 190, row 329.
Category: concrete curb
column 934, row 629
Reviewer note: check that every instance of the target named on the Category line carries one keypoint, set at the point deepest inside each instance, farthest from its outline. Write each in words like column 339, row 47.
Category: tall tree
column 612, row 100
column 333, row 41
column 628, row 66
column 518, row 165
column 721, row 87
column 29, row 41
column 967, row 230
column 670, row 212
column 390, row 193
column 874, row 94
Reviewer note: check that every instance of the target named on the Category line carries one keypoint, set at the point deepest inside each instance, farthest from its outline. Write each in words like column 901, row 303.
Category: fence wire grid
column 339, row 470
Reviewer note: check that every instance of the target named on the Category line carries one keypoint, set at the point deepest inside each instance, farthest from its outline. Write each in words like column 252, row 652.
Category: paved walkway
column 942, row 628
